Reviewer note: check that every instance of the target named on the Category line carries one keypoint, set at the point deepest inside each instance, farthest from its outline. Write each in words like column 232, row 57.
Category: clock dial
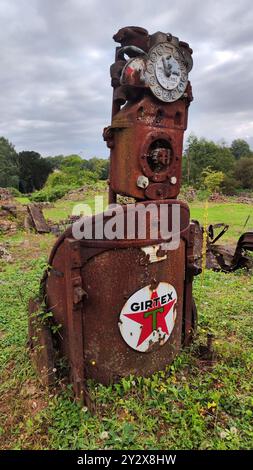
column 166, row 72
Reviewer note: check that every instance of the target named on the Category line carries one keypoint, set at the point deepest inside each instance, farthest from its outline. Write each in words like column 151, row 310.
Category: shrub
column 71, row 177
column 15, row 192
column 244, row 172
column 230, row 185
column 212, row 180
column 50, row 194
column 203, row 194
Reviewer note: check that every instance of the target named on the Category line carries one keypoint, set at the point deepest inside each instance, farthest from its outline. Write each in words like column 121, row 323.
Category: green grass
column 22, row 199
column 232, row 214
column 190, row 405
column 63, row 209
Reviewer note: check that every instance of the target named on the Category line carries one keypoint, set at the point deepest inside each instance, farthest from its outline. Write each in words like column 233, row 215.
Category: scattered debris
column 188, row 194
column 60, row 227
column 81, row 193
column 6, row 226
column 11, row 214
column 4, row 254
column 244, row 200
column 37, row 219
column 10, row 208
column 5, row 194
column 222, row 257
column 217, row 197
column 15, row 216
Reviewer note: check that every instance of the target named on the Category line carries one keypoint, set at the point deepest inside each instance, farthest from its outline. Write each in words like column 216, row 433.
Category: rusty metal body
column 136, row 129
column 89, row 337
column 146, row 134
column 125, row 305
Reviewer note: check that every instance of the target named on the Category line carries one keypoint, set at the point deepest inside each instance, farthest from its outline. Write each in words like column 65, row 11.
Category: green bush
column 244, row 172
column 50, row 194
column 212, row 179
column 203, row 194
column 15, row 192
column 230, row 185
column 71, row 177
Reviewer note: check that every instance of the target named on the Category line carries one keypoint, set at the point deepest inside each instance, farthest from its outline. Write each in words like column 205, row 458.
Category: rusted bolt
column 142, row 181
column 173, row 180
column 79, row 293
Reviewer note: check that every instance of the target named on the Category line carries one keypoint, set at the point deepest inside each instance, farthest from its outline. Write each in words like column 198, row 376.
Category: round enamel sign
column 148, row 317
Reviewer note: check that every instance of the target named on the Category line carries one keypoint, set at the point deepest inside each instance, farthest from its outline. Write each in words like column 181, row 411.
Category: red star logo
column 152, row 319
column 129, row 70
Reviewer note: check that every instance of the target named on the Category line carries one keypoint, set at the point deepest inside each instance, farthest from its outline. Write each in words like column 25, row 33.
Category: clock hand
column 167, row 66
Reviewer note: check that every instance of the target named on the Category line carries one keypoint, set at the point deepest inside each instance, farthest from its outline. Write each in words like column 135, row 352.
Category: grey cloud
column 55, row 57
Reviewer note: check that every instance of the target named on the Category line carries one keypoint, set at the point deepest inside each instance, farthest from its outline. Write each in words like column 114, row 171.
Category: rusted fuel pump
column 146, row 135
column 125, row 304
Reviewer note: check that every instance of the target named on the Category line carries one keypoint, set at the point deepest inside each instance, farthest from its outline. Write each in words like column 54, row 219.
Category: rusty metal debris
column 37, row 219
column 124, row 306
column 222, row 257
column 14, row 216
column 206, row 353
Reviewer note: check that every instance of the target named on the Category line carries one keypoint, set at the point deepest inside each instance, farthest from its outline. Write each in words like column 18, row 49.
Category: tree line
column 206, row 163
column 28, row 171
column 229, row 168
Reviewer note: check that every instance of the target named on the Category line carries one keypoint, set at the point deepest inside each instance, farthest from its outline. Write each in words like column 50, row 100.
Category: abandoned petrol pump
column 125, row 305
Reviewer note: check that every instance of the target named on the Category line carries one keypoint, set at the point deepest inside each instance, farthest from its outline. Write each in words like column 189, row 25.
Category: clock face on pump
column 166, row 72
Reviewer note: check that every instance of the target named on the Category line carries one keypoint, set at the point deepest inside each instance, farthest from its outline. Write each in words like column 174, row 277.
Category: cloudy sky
column 55, row 94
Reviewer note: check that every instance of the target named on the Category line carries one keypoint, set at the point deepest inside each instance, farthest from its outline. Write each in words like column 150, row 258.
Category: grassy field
column 62, row 209
column 190, row 405
column 235, row 215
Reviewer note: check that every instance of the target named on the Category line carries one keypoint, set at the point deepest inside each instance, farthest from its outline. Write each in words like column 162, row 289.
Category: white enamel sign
column 148, row 317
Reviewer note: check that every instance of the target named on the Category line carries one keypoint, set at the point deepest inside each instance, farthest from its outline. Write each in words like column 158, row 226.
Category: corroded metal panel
column 108, row 356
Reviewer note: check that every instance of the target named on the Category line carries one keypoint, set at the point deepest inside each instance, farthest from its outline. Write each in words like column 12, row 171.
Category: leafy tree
column 56, row 161
column 71, row 174
column 9, row 169
column 71, row 178
column 230, row 185
column 240, row 148
column 212, row 180
column 99, row 166
column 201, row 154
column 71, row 161
column 244, row 172
column 33, row 171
